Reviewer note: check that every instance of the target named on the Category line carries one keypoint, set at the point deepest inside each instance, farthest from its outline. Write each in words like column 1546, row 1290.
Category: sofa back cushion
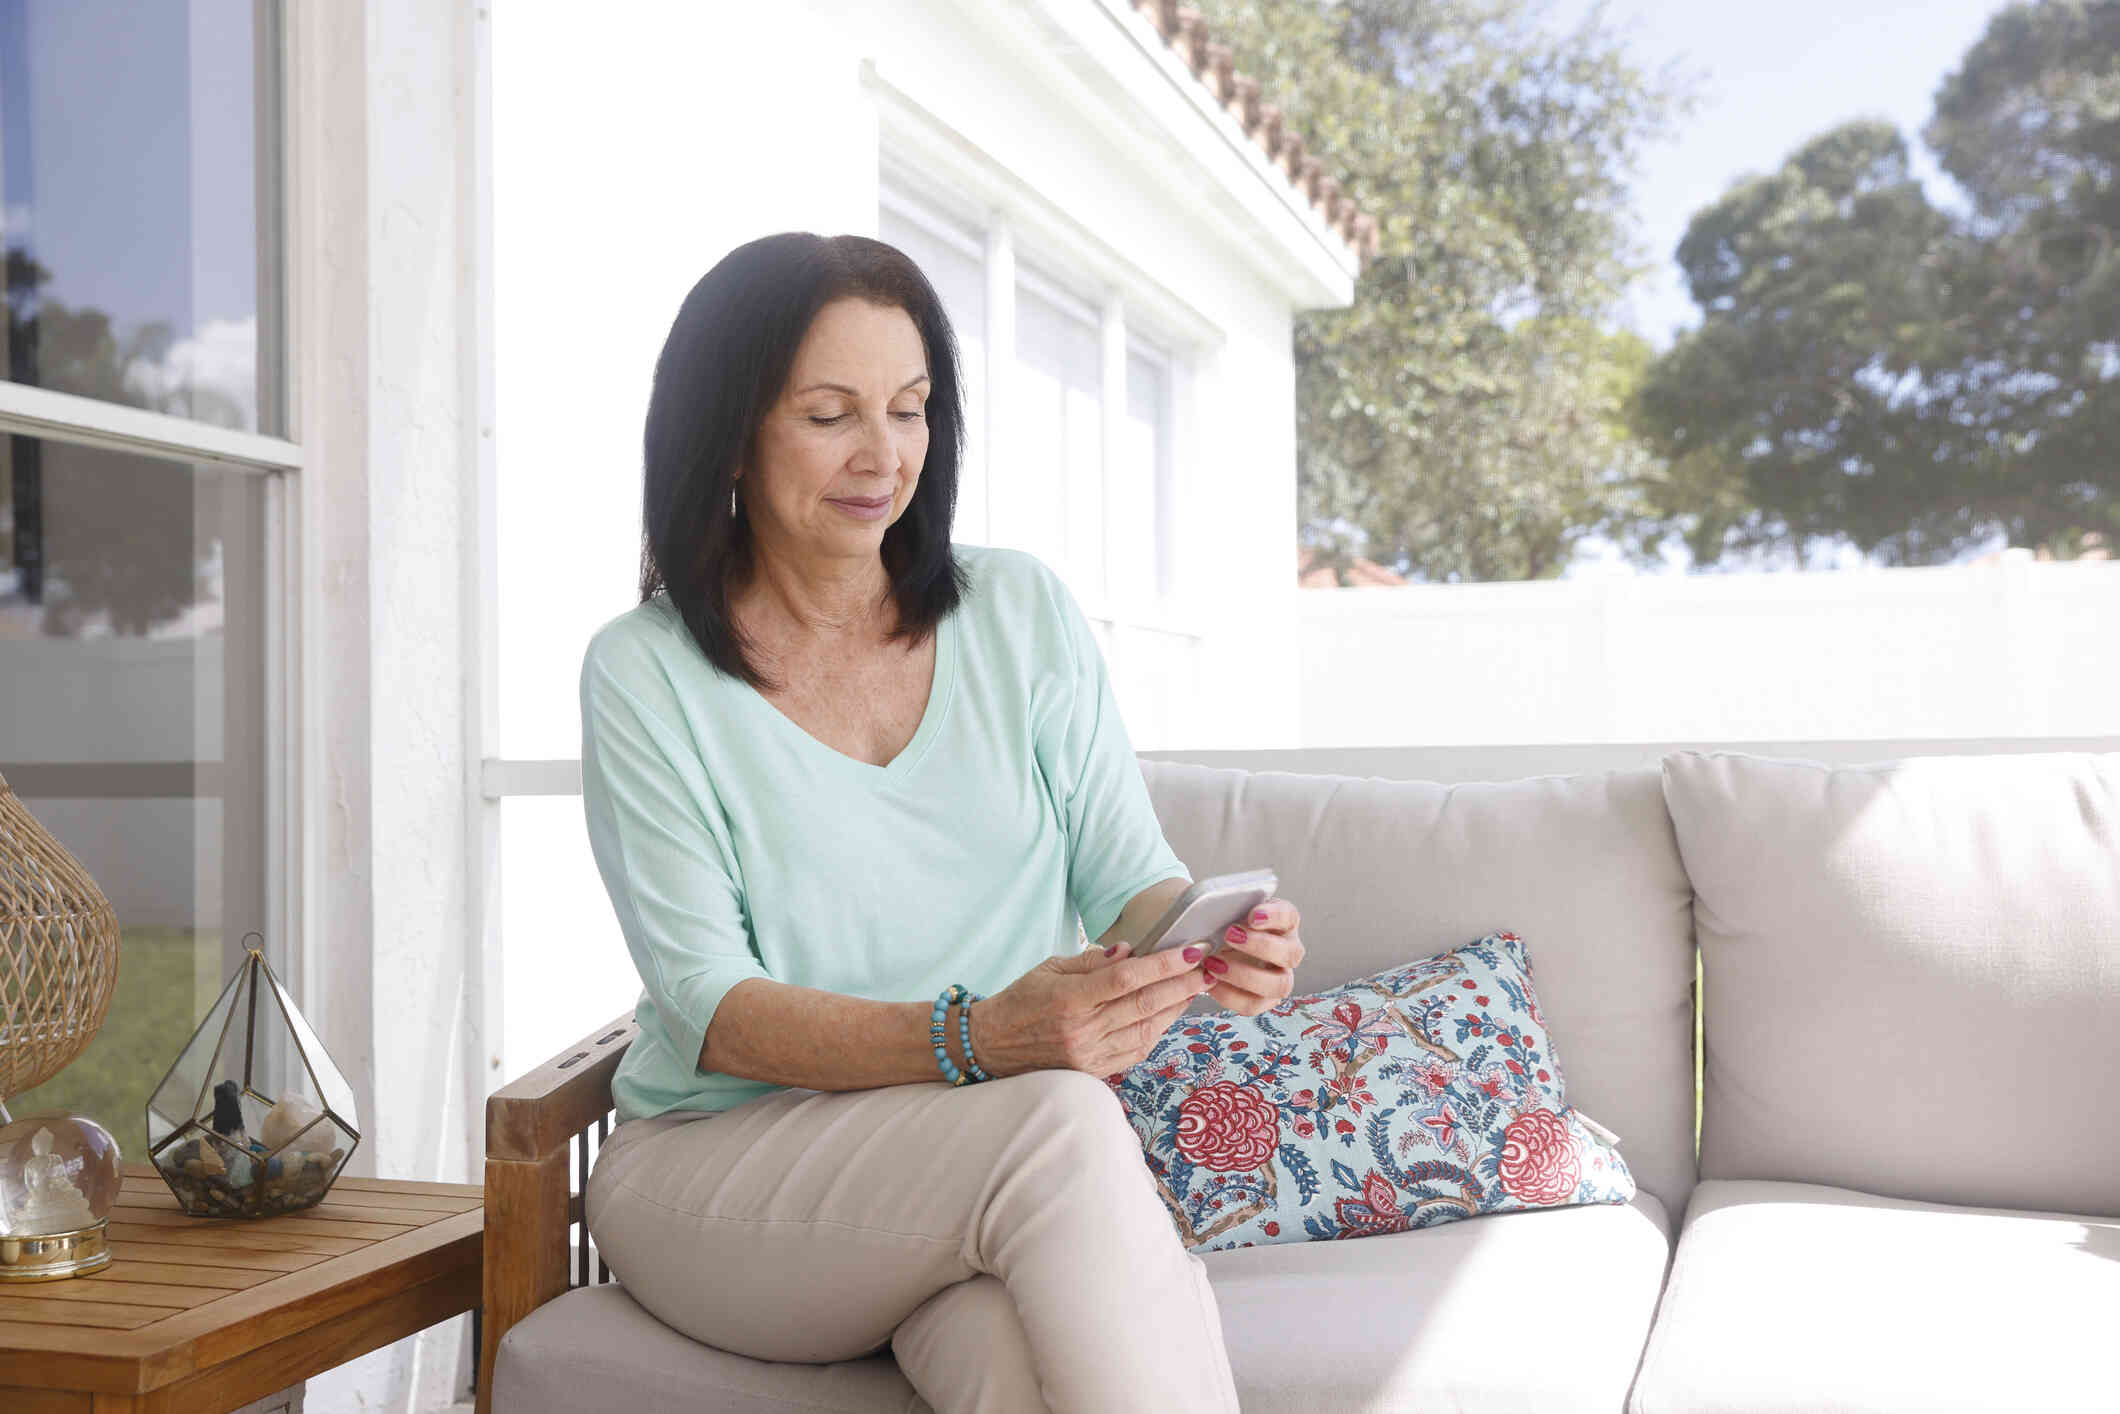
column 1583, row 868
column 1911, row 973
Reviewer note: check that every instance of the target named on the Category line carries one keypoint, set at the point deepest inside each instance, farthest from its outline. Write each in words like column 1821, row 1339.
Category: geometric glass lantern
column 253, row 1119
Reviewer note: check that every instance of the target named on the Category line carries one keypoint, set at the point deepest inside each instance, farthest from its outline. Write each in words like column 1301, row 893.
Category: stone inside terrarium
column 253, row 1119
column 58, row 1173
column 231, row 1172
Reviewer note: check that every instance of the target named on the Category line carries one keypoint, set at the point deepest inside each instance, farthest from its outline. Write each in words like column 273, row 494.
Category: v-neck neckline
column 940, row 688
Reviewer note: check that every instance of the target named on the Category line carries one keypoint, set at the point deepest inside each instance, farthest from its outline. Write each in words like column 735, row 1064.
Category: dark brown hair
column 724, row 365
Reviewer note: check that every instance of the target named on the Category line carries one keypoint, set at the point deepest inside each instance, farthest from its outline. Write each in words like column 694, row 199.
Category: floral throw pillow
column 1421, row 1095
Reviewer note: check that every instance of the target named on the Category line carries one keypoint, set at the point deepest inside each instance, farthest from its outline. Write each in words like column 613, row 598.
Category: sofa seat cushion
column 1532, row 1313
column 1513, row 1313
column 1796, row 1297
column 596, row 1348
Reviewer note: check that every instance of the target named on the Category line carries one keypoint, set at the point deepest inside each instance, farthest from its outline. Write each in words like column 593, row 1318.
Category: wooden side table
column 200, row 1315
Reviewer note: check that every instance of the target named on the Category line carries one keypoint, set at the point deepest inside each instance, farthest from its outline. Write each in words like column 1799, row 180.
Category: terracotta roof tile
column 1361, row 571
column 1186, row 32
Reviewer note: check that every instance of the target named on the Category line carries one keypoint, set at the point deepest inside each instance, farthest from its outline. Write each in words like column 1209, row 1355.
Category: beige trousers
column 1004, row 1239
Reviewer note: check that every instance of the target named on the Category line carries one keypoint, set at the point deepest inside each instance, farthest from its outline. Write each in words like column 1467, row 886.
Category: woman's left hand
column 1256, row 965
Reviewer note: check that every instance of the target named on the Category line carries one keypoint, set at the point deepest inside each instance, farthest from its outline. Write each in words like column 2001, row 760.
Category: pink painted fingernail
column 1258, row 915
column 1192, row 954
column 1234, row 935
column 1214, row 967
column 1112, row 951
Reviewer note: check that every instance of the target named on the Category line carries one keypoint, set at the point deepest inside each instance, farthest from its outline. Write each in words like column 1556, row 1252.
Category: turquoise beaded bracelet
column 956, row 992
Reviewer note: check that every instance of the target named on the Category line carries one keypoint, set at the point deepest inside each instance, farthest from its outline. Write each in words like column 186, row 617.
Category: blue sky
column 1770, row 77
column 135, row 194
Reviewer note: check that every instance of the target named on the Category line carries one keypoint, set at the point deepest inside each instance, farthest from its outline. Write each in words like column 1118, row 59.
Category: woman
column 832, row 766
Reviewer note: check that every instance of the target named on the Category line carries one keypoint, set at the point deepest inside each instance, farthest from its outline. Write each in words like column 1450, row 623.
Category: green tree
column 1462, row 420
column 114, row 533
column 1869, row 367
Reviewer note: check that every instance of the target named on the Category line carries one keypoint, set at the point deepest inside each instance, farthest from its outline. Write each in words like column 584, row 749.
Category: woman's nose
column 880, row 443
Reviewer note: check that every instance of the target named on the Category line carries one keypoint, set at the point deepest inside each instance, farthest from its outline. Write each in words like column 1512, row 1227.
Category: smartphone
column 1208, row 907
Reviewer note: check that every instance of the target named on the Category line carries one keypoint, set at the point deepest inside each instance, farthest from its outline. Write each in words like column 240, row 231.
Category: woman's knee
column 1067, row 1092
column 1082, row 1106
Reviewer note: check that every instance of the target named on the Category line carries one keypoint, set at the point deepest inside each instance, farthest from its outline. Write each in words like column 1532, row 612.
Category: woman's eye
column 827, row 421
column 913, row 416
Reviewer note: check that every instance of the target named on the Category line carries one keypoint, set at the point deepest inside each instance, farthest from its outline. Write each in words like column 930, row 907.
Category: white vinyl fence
column 2017, row 649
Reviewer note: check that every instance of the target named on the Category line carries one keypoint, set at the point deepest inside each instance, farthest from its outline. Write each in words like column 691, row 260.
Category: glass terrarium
column 253, row 1119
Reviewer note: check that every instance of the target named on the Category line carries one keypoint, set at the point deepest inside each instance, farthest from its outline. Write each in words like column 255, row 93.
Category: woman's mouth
column 862, row 509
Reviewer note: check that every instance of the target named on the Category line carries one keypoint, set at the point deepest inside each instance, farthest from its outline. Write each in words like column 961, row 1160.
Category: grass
column 152, row 1014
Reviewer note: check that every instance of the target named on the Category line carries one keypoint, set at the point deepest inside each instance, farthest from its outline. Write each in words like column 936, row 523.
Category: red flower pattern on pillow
column 1228, row 1126
column 1538, row 1158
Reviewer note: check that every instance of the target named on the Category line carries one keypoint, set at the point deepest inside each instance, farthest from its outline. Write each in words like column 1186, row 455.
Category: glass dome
column 59, row 1179
column 58, row 1173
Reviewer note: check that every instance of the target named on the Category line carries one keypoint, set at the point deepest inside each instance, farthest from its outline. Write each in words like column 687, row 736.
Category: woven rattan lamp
column 58, row 965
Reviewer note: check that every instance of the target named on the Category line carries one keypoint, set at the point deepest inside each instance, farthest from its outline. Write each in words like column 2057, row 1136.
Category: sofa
column 1896, row 985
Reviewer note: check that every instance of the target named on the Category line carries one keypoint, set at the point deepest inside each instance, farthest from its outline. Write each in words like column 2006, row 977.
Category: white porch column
column 385, row 127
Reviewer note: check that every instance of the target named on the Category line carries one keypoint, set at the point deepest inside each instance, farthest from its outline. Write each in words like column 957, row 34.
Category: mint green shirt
column 734, row 844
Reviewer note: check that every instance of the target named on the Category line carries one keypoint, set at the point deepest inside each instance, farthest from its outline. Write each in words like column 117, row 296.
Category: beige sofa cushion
column 1788, row 1298
column 1543, row 1312
column 596, row 1348
column 1583, row 868
column 1403, row 1321
column 1911, row 973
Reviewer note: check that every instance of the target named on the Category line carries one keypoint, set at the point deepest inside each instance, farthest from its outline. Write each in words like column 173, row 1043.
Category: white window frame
column 933, row 176
column 67, row 418
column 965, row 238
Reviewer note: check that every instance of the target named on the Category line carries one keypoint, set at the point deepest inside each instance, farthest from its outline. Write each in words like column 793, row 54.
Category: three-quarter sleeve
column 1115, row 843
column 659, row 842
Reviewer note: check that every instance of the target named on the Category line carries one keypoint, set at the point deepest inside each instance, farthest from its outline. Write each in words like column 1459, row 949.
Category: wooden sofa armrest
column 531, row 1122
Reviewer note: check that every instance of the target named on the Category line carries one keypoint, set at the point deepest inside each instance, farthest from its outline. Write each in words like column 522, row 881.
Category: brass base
column 53, row 1255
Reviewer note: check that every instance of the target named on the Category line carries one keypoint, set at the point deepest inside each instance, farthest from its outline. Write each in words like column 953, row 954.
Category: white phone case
column 1208, row 907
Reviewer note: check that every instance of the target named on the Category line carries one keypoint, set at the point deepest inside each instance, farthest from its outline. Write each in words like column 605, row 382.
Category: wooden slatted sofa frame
column 533, row 1193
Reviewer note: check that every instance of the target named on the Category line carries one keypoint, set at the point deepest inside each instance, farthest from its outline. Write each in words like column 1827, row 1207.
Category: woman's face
column 851, row 427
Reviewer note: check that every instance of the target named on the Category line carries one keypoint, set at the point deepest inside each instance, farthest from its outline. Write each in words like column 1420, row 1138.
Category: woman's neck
column 850, row 600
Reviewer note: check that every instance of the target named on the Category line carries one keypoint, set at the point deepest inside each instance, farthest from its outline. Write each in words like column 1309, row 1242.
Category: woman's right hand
column 1087, row 1012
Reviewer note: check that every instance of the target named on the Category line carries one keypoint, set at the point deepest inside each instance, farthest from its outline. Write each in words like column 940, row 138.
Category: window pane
column 1049, row 499
column 961, row 281
column 1137, row 484
column 132, row 725
column 128, row 163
